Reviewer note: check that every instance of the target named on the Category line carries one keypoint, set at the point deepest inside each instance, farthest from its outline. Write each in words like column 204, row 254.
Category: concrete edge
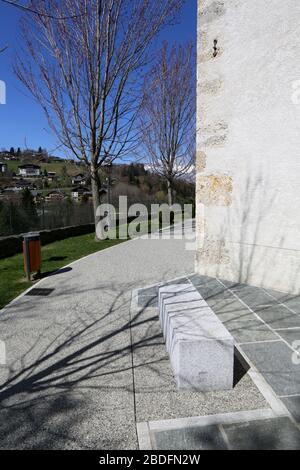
column 265, row 389
column 145, row 429
column 143, row 433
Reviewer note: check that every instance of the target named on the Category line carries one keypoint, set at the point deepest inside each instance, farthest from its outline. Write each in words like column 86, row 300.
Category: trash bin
column 32, row 253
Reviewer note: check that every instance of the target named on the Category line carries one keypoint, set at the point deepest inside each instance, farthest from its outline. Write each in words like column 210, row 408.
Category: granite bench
column 201, row 349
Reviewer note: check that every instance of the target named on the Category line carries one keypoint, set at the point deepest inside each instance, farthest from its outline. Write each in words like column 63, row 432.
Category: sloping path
column 68, row 382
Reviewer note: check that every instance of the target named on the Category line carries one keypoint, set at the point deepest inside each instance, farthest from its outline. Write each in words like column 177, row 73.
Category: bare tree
column 168, row 114
column 2, row 49
column 83, row 61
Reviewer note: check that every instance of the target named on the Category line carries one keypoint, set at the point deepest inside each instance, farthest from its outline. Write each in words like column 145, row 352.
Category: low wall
column 12, row 245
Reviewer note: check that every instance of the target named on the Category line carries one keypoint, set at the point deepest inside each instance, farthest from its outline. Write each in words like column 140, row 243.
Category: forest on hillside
column 21, row 212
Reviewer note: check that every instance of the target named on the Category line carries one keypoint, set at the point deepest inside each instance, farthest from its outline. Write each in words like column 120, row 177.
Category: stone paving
column 262, row 434
column 156, row 394
column 266, row 327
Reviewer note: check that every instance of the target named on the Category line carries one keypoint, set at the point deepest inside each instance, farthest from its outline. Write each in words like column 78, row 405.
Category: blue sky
column 21, row 119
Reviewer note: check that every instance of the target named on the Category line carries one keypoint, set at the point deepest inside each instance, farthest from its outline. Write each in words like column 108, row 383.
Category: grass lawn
column 72, row 169
column 54, row 256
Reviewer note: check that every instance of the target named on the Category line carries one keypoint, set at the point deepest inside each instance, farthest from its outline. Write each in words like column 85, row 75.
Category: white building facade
column 3, row 167
column 29, row 170
column 248, row 142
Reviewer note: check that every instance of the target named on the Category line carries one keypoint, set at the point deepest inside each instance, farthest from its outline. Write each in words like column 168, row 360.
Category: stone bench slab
column 201, row 349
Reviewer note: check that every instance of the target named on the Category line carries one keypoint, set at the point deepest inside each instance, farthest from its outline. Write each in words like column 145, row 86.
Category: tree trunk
column 170, row 193
column 96, row 195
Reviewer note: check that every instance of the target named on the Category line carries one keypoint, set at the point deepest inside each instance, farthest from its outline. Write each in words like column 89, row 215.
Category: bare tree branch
column 169, row 113
column 85, row 71
column 31, row 10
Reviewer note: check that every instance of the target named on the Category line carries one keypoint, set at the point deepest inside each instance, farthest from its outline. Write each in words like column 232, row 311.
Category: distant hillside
column 57, row 166
column 141, row 185
column 132, row 180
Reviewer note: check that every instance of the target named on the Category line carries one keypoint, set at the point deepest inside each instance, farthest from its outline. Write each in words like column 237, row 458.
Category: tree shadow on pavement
column 51, row 390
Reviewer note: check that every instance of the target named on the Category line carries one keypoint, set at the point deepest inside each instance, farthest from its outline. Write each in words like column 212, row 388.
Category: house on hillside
column 51, row 175
column 3, row 168
column 80, row 192
column 55, row 195
column 80, row 179
column 9, row 195
column 23, row 184
column 7, row 156
column 30, row 170
column 19, row 186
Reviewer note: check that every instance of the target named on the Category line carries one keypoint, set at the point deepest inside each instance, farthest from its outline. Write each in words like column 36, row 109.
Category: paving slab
column 253, row 296
column 278, row 316
column 238, row 319
column 247, row 330
column 271, row 434
column 262, row 434
column 148, row 301
column 293, row 303
column 293, row 405
column 208, row 287
column 197, row 438
column 284, row 297
column 229, row 308
column 292, row 336
column 275, row 361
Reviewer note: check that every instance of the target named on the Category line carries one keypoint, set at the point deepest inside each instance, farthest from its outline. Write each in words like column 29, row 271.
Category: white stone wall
column 29, row 172
column 248, row 142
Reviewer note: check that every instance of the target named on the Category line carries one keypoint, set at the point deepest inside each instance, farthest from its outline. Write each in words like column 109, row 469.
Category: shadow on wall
column 245, row 250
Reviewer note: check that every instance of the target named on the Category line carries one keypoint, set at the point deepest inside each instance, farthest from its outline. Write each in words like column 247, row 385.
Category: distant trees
column 86, row 72
column 41, row 152
column 28, row 152
column 168, row 116
column 64, row 180
column 19, row 215
column 12, row 218
column 28, row 205
column 64, row 172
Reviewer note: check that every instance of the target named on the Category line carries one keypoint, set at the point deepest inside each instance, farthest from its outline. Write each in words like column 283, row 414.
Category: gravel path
column 69, row 381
